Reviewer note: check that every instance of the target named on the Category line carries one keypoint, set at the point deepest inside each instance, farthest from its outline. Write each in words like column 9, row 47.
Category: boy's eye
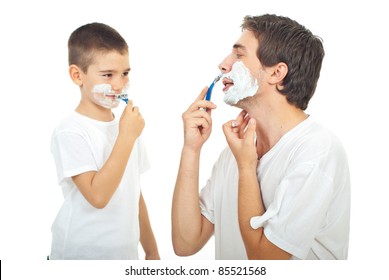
column 125, row 74
column 108, row 75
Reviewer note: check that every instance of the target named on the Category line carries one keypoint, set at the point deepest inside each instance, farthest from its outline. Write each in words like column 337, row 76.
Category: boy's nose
column 119, row 85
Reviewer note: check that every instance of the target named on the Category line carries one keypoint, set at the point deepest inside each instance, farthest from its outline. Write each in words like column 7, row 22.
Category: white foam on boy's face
column 245, row 84
column 106, row 97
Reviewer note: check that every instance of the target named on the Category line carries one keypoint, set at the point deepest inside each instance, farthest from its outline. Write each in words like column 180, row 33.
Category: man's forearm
column 250, row 205
column 186, row 215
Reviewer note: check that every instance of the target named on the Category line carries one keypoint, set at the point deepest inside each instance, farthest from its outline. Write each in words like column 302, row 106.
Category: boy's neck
column 95, row 112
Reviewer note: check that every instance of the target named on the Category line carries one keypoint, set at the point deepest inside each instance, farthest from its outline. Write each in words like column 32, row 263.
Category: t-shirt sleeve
column 72, row 155
column 207, row 202
column 294, row 217
column 143, row 159
column 207, row 193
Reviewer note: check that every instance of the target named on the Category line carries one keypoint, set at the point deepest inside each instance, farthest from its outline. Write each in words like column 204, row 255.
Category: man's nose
column 226, row 65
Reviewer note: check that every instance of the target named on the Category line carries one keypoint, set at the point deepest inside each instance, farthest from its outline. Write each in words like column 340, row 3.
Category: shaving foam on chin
column 245, row 84
column 106, row 97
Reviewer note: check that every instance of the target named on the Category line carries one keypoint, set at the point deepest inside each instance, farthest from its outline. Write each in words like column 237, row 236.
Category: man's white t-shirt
column 305, row 186
column 80, row 231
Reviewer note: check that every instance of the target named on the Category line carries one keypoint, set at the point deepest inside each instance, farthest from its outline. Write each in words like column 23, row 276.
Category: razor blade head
column 122, row 96
column 218, row 78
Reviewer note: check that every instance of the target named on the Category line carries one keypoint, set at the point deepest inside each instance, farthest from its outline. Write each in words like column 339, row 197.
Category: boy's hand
column 131, row 122
column 198, row 122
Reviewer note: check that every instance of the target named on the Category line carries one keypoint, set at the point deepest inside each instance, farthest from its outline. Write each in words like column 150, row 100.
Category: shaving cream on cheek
column 245, row 84
column 104, row 96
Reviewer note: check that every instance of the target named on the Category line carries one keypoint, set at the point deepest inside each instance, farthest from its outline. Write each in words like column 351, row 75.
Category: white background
column 175, row 48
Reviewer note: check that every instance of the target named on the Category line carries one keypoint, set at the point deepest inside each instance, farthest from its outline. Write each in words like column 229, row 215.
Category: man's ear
column 279, row 72
column 75, row 74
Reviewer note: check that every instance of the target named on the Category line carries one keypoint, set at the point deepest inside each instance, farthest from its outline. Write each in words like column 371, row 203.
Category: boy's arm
column 147, row 238
column 191, row 230
column 98, row 187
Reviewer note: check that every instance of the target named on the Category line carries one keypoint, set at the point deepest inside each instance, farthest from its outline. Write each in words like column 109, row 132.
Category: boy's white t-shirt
column 305, row 186
column 80, row 231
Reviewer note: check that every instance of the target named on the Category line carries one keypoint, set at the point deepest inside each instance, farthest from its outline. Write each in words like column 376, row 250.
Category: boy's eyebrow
column 112, row 71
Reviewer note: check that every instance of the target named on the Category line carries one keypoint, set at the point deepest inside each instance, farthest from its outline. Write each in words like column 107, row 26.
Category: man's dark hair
column 282, row 39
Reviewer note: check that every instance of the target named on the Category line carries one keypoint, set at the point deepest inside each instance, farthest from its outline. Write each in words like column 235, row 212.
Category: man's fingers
column 230, row 127
column 250, row 131
column 202, row 94
column 201, row 104
column 241, row 116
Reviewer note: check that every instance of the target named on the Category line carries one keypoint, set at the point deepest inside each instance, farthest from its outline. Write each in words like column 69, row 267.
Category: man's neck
column 273, row 123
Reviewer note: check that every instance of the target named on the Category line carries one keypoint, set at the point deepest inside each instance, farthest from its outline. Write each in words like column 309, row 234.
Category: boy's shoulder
column 73, row 121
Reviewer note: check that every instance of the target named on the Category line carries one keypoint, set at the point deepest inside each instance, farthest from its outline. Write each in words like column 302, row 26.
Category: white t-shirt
column 305, row 186
column 80, row 231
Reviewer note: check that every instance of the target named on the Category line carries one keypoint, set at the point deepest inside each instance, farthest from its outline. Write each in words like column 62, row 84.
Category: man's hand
column 240, row 135
column 198, row 122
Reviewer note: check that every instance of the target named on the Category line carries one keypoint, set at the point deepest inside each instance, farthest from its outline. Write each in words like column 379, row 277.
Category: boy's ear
column 75, row 74
column 279, row 72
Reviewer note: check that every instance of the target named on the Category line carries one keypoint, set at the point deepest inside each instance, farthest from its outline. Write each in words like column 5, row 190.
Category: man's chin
column 233, row 101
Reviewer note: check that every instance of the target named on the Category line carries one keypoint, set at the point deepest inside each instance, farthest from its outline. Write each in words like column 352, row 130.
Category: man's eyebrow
column 239, row 46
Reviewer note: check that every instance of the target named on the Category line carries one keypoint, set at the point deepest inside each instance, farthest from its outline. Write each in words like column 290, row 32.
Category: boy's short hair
column 88, row 39
column 282, row 39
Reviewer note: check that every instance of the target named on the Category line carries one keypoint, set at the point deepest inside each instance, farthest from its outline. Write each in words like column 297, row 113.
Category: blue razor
column 209, row 91
column 123, row 97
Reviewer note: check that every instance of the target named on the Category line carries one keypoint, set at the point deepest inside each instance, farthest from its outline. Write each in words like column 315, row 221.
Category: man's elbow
column 183, row 249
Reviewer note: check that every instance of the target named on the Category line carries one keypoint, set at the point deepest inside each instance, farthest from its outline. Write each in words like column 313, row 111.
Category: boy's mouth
column 112, row 96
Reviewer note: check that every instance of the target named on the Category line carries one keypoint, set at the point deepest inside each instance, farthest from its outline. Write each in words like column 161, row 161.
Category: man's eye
column 107, row 75
column 239, row 55
column 125, row 74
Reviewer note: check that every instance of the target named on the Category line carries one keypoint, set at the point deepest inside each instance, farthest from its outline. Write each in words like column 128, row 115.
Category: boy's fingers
column 130, row 104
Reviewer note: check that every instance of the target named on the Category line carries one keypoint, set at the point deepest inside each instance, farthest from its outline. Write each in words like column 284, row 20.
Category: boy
column 99, row 159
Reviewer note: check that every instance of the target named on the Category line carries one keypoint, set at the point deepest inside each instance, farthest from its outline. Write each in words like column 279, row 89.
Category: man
column 281, row 189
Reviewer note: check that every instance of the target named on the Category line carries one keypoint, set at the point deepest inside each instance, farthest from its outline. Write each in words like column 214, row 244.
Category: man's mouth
column 227, row 84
